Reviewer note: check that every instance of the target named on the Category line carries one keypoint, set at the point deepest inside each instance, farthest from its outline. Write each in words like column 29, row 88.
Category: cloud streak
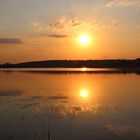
column 113, row 3
column 57, row 36
column 63, row 22
column 10, row 41
column 64, row 27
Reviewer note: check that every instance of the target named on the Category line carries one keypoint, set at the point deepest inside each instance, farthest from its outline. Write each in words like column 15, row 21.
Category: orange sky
column 49, row 29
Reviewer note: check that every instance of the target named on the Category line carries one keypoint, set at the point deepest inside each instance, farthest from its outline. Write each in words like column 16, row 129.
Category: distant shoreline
column 116, row 63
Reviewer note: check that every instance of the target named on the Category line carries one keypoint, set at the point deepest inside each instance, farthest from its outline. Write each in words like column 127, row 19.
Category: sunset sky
column 33, row 30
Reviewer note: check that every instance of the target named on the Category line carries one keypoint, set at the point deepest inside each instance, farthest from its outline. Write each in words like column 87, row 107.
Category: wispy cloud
column 113, row 3
column 57, row 36
column 10, row 41
column 63, row 22
column 65, row 27
column 37, row 26
column 58, row 25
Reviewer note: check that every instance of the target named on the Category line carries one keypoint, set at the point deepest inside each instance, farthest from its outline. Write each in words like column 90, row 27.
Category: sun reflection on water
column 83, row 69
column 85, row 95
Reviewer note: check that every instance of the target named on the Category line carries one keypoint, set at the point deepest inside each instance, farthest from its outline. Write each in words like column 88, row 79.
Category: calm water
column 41, row 105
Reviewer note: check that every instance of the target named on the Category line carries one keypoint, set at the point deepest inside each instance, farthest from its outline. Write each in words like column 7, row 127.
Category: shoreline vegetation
column 112, row 63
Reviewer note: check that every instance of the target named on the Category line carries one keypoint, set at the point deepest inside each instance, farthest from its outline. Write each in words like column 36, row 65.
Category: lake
column 69, row 104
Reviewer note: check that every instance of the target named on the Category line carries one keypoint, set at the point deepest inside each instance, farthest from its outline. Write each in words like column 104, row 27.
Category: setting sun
column 84, row 39
column 84, row 93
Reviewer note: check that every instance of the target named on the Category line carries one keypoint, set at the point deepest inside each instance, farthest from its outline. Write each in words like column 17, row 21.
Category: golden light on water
column 83, row 69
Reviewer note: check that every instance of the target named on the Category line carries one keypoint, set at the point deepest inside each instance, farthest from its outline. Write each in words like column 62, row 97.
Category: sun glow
column 84, row 39
column 84, row 93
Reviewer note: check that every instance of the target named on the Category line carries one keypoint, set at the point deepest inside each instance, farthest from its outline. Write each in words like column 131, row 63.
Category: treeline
column 76, row 64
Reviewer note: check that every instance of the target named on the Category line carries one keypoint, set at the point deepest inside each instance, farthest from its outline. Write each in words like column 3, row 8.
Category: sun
column 84, row 39
column 84, row 93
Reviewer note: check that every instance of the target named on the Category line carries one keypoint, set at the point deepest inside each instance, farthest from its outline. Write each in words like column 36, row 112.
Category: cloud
column 113, row 3
column 59, row 23
column 54, row 29
column 57, row 36
column 37, row 26
column 10, row 41
column 75, row 25
column 63, row 22
column 109, row 24
column 11, row 93
column 64, row 26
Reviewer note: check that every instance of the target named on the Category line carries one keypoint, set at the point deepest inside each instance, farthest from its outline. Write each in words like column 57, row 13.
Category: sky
column 34, row 30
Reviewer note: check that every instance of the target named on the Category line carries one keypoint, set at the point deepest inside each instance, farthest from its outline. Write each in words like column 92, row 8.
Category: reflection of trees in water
column 105, row 71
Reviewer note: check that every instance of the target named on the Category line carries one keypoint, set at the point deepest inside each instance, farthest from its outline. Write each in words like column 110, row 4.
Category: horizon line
column 127, row 59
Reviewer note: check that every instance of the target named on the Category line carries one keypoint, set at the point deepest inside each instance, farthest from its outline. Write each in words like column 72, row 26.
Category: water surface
column 63, row 105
